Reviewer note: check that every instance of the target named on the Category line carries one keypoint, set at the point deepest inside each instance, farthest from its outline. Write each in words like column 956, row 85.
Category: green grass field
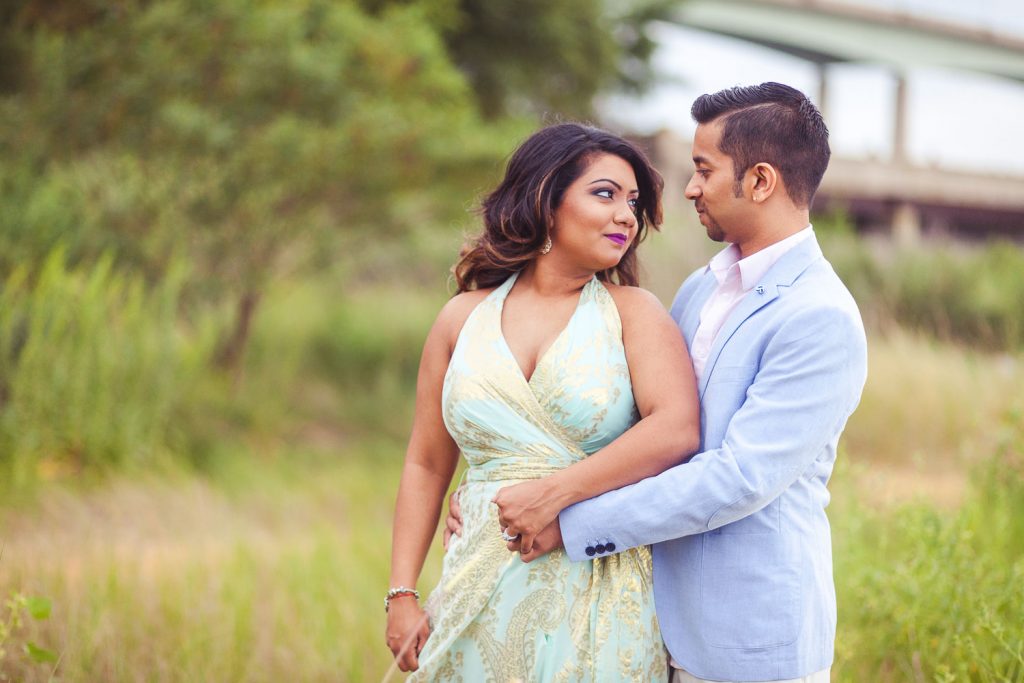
column 270, row 565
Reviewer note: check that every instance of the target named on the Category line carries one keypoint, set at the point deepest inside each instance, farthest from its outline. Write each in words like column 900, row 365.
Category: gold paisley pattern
column 493, row 617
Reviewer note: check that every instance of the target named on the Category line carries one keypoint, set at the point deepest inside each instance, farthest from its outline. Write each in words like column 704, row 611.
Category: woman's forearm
column 420, row 496
column 652, row 445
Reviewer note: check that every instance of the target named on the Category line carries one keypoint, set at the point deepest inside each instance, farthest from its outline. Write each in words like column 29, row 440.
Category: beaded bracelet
column 397, row 591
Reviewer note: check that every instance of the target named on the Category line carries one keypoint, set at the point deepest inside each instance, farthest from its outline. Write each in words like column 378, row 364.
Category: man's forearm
column 794, row 410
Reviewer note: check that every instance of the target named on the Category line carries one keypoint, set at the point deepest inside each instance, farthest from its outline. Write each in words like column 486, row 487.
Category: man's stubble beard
column 714, row 230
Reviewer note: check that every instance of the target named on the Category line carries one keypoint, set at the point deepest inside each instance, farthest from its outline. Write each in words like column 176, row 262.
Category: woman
column 541, row 370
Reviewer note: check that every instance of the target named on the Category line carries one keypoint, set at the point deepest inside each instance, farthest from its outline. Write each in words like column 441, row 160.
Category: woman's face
column 596, row 221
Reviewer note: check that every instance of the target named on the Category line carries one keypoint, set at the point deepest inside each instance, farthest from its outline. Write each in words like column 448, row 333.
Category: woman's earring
column 547, row 245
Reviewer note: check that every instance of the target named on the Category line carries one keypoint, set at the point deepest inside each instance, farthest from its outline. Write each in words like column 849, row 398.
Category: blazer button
column 609, row 547
column 600, row 548
column 590, row 551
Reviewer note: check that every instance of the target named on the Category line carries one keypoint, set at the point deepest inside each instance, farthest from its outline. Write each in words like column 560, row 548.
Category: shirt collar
column 723, row 262
column 755, row 266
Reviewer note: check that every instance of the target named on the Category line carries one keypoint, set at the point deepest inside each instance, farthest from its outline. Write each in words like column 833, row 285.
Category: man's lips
column 618, row 238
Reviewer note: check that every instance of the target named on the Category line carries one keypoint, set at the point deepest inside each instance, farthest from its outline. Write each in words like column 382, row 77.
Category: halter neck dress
column 495, row 618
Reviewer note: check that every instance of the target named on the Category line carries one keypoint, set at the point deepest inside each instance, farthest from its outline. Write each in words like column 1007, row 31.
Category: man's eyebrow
column 700, row 160
column 607, row 180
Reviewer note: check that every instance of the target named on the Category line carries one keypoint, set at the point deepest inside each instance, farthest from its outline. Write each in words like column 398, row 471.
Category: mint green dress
column 493, row 617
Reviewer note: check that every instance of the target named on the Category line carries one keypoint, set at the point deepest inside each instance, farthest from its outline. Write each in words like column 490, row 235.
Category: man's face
column 713, row 186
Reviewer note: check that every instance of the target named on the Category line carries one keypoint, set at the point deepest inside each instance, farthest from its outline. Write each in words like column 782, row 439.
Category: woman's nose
column 626, row 216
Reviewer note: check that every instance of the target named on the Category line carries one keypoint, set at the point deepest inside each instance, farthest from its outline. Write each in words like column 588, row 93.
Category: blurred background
column 225, row 228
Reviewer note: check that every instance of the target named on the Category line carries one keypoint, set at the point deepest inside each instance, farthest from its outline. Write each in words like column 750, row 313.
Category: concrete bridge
column 893, row 193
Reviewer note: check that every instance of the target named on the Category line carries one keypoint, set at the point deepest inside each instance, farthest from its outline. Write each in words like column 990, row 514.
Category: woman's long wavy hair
column 518, row 214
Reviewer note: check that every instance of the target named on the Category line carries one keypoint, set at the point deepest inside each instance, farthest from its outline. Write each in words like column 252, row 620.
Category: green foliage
column 255, row 134
column 971, row 295
column 534, row 54
column 95, row 368
column 238, row 128
column 363, row 341
column 253, row 138
column 928, row 595
column 254, row 141
column 13, row 626
column 38, row 608
column 545, row 58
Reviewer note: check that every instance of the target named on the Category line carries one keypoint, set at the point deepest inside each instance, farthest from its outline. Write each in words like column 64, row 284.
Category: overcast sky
column 945, row 126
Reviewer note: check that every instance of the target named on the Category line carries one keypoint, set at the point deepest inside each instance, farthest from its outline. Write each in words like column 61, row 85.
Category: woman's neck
column 548, row 280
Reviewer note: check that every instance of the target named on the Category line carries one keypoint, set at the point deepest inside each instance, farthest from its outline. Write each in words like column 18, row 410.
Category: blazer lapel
column 783, row 274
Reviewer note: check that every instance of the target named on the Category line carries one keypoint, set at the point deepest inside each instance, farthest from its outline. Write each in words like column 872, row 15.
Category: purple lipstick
column 617, row 237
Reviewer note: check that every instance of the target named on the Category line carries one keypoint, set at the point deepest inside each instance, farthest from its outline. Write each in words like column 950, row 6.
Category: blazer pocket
column 750, row 596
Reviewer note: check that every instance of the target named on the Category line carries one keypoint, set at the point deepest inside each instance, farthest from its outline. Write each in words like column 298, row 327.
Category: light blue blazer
column 742, row 549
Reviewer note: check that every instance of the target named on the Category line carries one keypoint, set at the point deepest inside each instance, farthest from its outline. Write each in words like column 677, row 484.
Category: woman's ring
column 508, row 539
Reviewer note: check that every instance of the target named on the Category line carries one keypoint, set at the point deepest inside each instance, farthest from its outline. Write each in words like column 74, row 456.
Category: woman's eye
column 607, row 194
column 634, row 202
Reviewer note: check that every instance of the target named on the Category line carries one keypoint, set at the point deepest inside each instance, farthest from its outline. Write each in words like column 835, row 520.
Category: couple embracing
column 637, row 481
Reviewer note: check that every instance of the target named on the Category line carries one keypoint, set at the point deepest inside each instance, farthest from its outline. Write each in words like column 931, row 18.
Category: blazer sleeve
column 810, row 379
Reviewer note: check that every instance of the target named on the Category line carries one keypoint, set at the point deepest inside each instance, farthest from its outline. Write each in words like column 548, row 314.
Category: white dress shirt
column 736, row 277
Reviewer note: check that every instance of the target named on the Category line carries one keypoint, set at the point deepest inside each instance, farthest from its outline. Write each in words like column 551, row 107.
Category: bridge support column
column 899, row 128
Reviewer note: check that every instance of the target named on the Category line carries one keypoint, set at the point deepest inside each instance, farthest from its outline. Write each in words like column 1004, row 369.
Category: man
column 741, row 543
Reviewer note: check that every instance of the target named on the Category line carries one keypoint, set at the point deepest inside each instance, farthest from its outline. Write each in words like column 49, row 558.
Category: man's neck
column 772, row 233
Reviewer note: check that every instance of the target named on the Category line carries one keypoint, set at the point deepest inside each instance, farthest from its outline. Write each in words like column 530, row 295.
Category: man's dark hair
column 771, row 123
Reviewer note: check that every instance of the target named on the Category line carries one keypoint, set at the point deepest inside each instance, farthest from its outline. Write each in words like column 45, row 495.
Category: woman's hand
column 526, row 508
column 407, row 631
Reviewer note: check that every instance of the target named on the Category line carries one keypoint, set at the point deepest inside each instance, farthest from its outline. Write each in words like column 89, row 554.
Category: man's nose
column 692, row 189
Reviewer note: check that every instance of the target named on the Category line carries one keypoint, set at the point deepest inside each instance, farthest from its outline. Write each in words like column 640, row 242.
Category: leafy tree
column 538, row 57
column 247, row 135
column 254, row 137
column 541, row 57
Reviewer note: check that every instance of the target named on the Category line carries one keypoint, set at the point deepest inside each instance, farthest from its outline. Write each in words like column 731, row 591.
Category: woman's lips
column 618, row 238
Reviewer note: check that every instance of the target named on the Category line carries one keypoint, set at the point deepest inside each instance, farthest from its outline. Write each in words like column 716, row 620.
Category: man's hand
column 547, row 540
column 453, row 522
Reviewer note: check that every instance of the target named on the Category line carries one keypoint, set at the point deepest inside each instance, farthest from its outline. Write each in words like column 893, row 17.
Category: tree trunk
column 229, row 357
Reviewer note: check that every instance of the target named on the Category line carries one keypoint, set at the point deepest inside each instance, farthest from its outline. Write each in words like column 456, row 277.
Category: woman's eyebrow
column 607, row 180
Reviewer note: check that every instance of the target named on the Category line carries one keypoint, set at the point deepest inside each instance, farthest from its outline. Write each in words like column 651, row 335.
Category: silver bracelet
column 399, row 590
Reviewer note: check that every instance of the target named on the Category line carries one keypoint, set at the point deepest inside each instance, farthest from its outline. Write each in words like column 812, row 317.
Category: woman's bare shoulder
column 637, row 306
column 454, row 314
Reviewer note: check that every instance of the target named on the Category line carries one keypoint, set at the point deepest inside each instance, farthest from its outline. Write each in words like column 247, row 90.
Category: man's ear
column 762, row 179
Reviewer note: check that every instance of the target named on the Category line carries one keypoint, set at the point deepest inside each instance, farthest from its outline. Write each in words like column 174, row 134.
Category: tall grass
column 968, row 294
column 930, row 406
column 277, row 572
column 95, row 369
column 931, row 595
column 248, row 574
